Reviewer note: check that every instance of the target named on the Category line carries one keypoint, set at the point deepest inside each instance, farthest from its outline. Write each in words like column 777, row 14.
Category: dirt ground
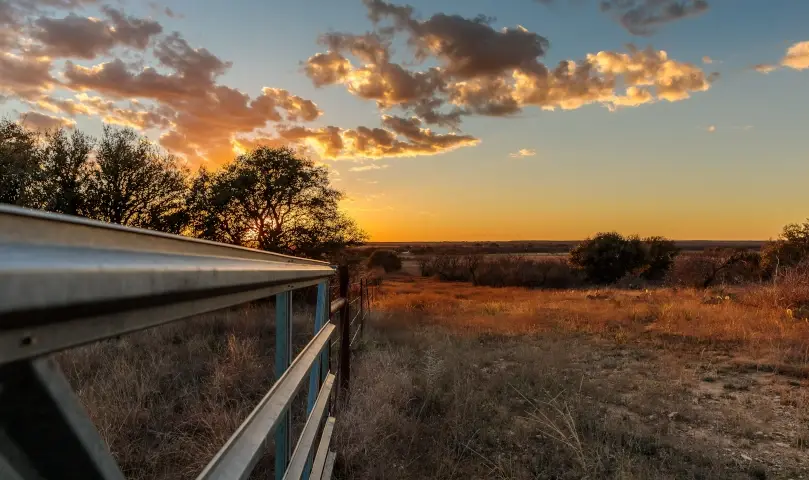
column 466, row 389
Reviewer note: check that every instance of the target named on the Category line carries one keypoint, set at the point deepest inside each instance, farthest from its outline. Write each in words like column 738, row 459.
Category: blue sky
column 728, row 162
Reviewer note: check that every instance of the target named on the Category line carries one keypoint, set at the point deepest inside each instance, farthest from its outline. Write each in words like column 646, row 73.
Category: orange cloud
column 483, row 71
column 367, row 168
column 523, row 152
column 362, row 142
column 764, row 68
column 797, row 56
column 40, row 121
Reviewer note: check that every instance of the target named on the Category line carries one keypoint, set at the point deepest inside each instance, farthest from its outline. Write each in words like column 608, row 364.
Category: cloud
column 765, row 68
column 40, row 121
column 523, row 152
column 797, row 56
column 333, row 142
column 643, row 17
column 613, row 79
column 711, row 128
column 466, row 47
column 25, row 77
column 204, row 117
column 87, row 37
column 484, row 71
column 366, row 168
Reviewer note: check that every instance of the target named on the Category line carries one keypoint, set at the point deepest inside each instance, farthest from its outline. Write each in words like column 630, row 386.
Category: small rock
column 673, row 414
column 782, row 444
column 759, row 434
column 749, row 459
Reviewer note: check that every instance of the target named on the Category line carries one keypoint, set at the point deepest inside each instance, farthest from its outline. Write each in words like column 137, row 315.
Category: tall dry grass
column 428, row 403
column 166, row 399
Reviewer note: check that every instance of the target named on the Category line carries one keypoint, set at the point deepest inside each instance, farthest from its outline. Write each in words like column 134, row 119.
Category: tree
column 65, row 168
column 790, row 249
column 660, row 253
column 272, row 200
column 133, row 184
column 385, row 259
column 20, row 172
column 606, row 257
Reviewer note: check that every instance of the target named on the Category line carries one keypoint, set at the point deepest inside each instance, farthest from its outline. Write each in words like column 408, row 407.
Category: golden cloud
column 40, row 121
column 523, row 152
column 797, row 56
column 25, row 77
column 483, row 71
column 362, row 142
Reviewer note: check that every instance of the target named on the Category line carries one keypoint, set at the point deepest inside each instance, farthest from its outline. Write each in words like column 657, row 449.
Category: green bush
column 385, row 259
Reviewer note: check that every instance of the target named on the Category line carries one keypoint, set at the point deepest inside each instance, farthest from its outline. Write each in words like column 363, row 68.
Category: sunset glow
column 478, row 120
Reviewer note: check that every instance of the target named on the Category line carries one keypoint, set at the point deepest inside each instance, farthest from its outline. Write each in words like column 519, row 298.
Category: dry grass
column 748, row 318
column 165, row 400
column 455, row 381
column 458, row 381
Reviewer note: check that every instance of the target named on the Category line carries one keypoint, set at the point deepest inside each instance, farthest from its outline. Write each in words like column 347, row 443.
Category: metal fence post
column 315, row 376
column 283, row 357
column 345, row 332
column 363, row 306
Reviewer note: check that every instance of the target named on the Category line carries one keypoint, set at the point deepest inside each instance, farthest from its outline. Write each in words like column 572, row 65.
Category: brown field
column 474, row 382
column 455, row 381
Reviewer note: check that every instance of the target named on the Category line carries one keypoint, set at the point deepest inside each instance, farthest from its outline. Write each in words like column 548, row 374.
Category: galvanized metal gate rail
column 67, row 281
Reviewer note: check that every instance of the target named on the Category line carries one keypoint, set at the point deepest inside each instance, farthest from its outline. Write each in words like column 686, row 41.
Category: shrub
column 660, row 253
column 716, row 266
column 606, row 257
column 788, row 291
column 789, row 250
column 505, row 271
column 385, row 259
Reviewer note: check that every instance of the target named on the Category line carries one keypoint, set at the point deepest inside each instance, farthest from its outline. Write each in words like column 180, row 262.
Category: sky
column 466, row 120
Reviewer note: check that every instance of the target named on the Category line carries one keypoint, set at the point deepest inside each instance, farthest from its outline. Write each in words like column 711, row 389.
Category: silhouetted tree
column 65, row 169
column 272, row 200
column 20, row 172
column 385, row 259
column 790, row 249
column 133, row 184
column 660, row 253
column 606, row 257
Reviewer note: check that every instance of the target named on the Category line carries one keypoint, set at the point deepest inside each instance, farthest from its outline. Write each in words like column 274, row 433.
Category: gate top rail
column 66, row 281
column 35, row 227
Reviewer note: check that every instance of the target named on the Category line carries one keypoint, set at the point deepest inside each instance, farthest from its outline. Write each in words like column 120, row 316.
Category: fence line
column 67, row 281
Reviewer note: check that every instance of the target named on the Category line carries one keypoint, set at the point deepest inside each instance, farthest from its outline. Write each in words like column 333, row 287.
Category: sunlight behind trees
column 266, row 198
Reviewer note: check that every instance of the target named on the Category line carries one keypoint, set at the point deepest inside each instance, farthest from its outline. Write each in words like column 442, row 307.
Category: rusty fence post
column 345, row 333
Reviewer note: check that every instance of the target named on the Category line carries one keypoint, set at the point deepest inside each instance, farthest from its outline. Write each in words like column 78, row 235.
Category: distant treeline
column 537, row 246
column 268, row 198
